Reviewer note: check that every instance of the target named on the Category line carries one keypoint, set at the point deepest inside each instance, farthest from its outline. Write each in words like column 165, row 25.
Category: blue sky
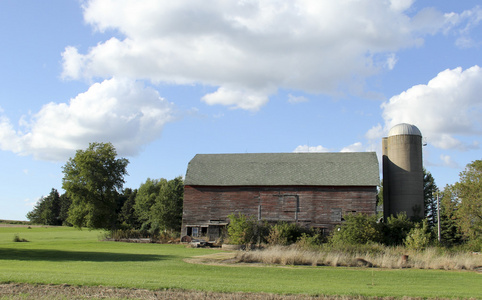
column 165, row 80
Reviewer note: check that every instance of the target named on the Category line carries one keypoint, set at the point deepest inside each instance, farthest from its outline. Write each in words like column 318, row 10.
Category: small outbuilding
column 311, row 189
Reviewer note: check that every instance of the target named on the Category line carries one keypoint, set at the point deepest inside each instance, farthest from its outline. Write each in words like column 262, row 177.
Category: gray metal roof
column 404, row 129
column 292, row 169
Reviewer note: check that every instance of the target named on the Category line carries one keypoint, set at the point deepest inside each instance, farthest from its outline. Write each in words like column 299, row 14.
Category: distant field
column 12, row 222
column 62, row 255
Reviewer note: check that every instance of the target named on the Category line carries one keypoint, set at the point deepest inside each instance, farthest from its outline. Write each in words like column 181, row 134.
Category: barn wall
column 311, row 206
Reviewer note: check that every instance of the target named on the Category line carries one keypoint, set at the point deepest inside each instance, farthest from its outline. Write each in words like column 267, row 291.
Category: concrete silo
column 403, row 172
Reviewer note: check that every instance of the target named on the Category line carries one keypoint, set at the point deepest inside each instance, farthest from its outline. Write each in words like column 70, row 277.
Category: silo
column 403, row 172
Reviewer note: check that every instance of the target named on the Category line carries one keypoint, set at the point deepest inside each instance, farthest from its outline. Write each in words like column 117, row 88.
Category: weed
column 18, row 239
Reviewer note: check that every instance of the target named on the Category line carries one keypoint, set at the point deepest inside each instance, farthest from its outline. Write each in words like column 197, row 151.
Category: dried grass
column 391, row 258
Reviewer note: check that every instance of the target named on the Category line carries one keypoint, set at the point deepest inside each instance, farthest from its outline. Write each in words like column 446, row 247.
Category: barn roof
column 292, row 169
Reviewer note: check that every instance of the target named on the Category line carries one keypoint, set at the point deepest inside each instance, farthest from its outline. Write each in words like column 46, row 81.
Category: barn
column 311, row 189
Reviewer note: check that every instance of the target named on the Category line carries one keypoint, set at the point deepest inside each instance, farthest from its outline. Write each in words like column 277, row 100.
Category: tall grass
column 375, row 256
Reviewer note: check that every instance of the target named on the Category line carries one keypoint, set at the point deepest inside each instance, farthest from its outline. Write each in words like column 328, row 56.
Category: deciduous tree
column 158, row 204
column 166, row 212
column 469, row 195
column 92, row 180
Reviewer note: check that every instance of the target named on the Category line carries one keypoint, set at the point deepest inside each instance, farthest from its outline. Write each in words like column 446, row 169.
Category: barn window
column 336, row 214
column 195, row 231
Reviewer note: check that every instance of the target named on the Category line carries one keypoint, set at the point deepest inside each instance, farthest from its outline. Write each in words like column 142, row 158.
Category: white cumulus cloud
column 447, row 109
column 250, row 49
column 121, row 111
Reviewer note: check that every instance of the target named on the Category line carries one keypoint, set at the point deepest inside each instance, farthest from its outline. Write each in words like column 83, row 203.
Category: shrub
column 241, row 229
column 285, row 234
column 18, row 239
column 357, row 229
column 395, row 230
column 310, row 241
column 419, row 237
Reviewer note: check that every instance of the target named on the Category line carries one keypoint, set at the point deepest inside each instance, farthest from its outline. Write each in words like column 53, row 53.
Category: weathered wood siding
column 311, row 206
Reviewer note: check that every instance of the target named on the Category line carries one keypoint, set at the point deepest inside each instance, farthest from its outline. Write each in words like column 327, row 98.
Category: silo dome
column 404, row 129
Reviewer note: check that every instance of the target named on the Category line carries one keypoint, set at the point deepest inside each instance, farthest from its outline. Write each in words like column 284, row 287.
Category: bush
column 241, row 229
column 313, row 240
column 284, row 234
column 357, row 229
column 18, row 239
column 419, row 237
column 474, row 245
column 396, row 229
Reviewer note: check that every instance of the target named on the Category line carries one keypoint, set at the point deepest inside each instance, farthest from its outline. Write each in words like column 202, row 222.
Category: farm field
column 66, row 256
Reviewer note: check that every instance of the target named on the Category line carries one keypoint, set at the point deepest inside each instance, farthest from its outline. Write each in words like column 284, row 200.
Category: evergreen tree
column 127, row 217
column 47, row 210
column 449, row 230
column 430, row 198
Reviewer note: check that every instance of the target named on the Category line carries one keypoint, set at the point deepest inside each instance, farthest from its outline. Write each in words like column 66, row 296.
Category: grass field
column 62, row 255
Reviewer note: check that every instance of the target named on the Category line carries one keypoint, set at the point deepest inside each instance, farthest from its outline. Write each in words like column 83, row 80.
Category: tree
column 158, row 204
column 65, row 202
column 127, row 217
column 449, row 229
column 430, row 198
column 47, row 210
column 469, row 194
column 166, row 213
column 92, row 180
column 145, row 199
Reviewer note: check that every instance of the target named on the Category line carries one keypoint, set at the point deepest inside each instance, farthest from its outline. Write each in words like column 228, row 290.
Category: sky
column 165, row 80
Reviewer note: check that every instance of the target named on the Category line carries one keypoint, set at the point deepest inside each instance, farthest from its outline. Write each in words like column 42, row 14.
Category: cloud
column 121, row 111
column 356, row 147
column 30, row 203
column 448, row 161
column 447, row 109
column 236, row 98
column 306, row 148
column 391, row 61
column 462, row 24
column 296, row 99
column 248, row 50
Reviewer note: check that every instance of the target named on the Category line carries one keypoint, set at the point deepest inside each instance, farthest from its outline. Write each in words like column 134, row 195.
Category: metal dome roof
column 404, row 129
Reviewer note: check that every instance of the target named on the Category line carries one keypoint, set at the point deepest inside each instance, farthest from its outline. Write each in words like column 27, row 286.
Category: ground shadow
column 59, row 255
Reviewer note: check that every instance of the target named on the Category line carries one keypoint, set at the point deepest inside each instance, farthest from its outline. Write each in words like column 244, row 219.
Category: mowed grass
column 62, row 255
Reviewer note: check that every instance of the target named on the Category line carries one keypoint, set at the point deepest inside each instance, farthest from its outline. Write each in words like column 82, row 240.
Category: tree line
column 95, row 198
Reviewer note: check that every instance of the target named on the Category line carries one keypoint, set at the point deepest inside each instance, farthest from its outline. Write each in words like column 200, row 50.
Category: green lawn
column 62, row 255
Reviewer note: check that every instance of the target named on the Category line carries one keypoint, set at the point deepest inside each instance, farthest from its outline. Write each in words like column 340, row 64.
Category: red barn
column 311, row 189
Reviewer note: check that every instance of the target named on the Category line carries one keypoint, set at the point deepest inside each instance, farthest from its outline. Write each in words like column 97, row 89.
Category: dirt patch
column 54, row 292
